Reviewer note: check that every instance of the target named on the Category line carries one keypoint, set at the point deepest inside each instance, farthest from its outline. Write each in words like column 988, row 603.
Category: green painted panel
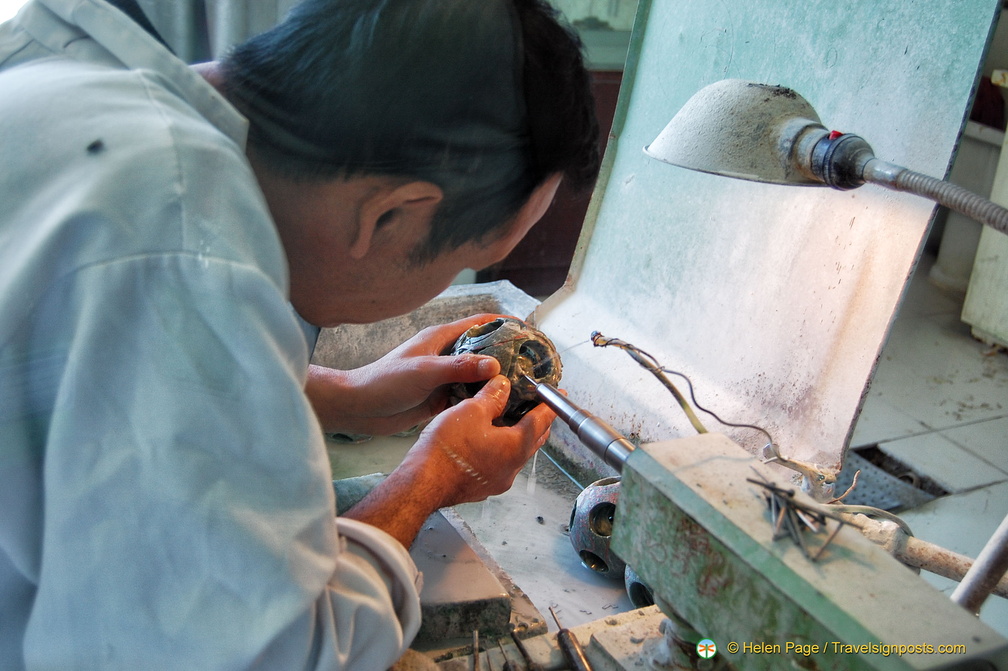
column 775, row 299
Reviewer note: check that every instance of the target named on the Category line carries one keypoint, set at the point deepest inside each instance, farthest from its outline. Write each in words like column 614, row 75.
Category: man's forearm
column 325, row 388
column 401, row 503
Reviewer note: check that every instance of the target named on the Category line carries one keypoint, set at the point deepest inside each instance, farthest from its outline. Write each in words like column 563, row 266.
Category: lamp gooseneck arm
column 845, row 161
column 897, row 178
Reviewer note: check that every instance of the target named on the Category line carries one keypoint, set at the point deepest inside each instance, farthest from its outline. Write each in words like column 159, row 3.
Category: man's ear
column 533, row 209
column 414, row 201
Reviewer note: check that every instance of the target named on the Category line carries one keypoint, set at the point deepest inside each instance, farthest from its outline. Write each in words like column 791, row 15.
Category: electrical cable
column 870, row 511
column 713, row 414
column 651, row 364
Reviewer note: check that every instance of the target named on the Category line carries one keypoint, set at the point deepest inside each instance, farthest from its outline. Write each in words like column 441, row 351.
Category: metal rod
column 986, row 571
column 593, row 433
column 822, row 548
column 571, row 647
column 941, row 561
column 508, row 666
column 529, row 664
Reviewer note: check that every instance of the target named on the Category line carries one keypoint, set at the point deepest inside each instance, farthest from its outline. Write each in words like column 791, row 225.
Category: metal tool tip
column 555, row 618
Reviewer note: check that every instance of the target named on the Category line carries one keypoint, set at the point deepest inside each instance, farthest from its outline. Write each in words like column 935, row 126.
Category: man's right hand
column 460, row 457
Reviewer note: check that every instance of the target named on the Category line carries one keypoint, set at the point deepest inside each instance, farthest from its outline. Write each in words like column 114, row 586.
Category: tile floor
column 939, row 404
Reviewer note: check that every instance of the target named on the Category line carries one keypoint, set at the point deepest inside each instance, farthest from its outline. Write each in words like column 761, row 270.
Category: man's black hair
column 485, row 98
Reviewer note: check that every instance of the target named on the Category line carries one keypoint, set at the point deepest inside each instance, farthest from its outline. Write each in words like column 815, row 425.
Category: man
column 164, row 484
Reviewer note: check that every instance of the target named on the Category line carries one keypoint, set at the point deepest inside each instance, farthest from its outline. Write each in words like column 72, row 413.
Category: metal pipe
column 941, row 561
column 986, row 571
column 945, row 193
column 593, row 433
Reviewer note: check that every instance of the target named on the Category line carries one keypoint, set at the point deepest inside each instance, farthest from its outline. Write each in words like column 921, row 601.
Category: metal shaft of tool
column 529, row 664
column 571, row 647
column 987, row 570
column 508, row 666
column 593, row 433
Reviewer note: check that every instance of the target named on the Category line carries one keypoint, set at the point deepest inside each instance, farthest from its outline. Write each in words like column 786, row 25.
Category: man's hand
column 484, row 458
column 460, row 457
column 407, row 386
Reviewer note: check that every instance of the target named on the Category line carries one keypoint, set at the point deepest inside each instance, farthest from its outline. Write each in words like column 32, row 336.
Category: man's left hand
column 407, row 386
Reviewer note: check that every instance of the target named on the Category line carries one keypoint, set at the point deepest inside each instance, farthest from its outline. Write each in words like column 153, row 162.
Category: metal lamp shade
column 741, row 129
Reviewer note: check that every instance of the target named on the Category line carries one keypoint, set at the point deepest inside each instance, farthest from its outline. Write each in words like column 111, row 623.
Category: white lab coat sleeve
column 188, row 511
column 370, row 557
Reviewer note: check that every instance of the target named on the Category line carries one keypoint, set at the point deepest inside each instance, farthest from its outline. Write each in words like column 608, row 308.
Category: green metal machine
column 696, row 529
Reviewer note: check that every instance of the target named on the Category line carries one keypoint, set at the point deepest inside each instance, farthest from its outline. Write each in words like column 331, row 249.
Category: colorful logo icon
column 706, row 648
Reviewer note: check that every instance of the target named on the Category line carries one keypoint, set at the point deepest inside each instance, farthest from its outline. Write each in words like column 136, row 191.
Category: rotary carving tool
column 593, row 433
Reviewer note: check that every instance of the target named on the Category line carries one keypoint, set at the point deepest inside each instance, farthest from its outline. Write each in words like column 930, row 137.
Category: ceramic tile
column 881, row 421
column 961, row 522
column 939, row 402
column 934, row 456
column 932, row 370
column 964, row 523
column 988, row 440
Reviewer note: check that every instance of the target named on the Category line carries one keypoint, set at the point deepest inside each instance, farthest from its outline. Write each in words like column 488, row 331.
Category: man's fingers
column 461, row 325
column 470, row 367
column 535, row 425
column 435, row 371
column 440, row 337
column 495, row 393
